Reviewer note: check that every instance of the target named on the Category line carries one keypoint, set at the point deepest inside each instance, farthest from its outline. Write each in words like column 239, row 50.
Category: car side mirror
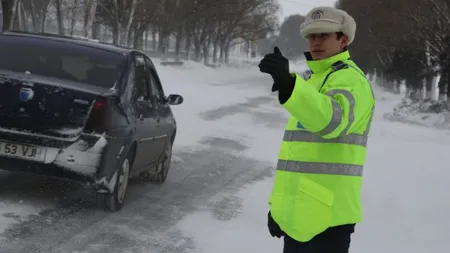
column 174, row 99
column 140, row 62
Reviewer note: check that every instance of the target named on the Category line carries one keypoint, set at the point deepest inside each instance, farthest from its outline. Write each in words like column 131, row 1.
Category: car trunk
column 53, row 90
column 44, row 107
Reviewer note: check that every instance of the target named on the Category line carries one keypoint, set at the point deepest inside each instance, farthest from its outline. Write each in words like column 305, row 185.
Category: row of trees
column 203, row 26
column 288, row 39
column 403, row 40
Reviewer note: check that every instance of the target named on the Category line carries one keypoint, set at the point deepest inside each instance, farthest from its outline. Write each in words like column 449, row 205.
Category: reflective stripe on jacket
column 319, row 171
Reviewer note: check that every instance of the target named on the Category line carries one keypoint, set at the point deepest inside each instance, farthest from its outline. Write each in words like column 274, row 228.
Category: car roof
column 74, row 40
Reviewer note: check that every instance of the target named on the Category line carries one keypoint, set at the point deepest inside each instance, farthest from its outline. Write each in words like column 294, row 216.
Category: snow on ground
column 15, row 212
column 206, row 89
column 245, row 233
column 406, row 188
column 405, row 191
column 423, row 112
column 190, row 80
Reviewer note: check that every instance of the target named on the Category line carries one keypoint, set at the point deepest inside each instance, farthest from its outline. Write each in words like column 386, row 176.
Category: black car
column 90, row 112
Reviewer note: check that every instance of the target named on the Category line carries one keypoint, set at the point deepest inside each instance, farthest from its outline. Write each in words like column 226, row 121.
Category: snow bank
column 422, row 112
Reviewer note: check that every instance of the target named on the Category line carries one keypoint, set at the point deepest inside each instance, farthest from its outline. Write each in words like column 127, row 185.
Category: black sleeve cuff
column 286, row 91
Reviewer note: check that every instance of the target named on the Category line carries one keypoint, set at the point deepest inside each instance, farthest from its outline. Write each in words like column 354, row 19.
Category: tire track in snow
column 148, row 221
column 198, row 178
column 262, row 110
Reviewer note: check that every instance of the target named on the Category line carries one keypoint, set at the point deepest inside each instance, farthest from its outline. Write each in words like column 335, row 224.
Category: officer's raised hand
column 276, row 65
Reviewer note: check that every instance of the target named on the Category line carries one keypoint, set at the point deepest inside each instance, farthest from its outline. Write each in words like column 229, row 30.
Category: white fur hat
column 328, row 20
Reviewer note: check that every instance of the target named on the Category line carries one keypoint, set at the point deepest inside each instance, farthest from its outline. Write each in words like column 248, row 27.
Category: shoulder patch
column 335, row 66
column 339, row 65
column 306, row 74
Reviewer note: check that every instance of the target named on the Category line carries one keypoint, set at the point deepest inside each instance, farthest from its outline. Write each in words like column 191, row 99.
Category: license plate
column 22, row 151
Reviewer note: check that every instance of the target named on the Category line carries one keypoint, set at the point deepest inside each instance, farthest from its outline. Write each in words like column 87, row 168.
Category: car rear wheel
column 159, row 176
column 114, row 201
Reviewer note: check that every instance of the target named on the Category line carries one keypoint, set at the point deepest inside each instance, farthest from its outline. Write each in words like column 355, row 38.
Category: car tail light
column 99, row 103
column 97, row 118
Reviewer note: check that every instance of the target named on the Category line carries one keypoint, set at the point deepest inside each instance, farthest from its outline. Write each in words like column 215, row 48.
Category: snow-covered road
column 211, row 162
column 215, row 200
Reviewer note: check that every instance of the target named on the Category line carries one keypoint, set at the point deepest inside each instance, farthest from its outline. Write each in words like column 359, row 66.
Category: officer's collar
column 318, row 66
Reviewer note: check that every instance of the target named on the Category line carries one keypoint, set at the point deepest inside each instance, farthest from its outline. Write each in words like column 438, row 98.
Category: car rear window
column 60, row 60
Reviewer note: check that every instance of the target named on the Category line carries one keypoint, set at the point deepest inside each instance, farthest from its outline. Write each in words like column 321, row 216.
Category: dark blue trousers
column 333, row 240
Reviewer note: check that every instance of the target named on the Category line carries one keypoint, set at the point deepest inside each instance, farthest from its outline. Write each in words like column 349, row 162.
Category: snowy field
column 230, row 129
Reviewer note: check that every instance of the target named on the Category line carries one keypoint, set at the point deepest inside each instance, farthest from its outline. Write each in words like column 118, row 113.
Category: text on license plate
column 22, row 151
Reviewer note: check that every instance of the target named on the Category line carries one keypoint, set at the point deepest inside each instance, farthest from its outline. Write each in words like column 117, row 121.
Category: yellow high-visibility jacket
column 319, row 172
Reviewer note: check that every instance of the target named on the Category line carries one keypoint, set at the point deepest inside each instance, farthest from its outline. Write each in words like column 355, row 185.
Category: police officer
column 315, row 201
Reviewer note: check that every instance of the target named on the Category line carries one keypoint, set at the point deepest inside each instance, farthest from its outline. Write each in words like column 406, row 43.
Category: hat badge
column 316, row 15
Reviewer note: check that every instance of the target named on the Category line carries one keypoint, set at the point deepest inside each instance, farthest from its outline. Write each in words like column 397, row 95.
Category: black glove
column 274, row 229
column 277, row 66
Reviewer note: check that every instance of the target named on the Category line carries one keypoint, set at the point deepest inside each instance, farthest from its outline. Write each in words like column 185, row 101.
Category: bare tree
column 59, row 17
column 9, row 8
column 89, row 15
column 74, row 7
column 208, row 28
column 402, row 39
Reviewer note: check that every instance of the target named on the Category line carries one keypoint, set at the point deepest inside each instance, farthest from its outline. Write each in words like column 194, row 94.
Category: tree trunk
column 127, row 32
column 139, row 35
column 9, row 8
column 96, row 30
column 146, row 38
column 443, row 85
column 59, row 18
column 20, row 18
column 73, row 18
column 227, row 53
column 215, row 50
column 178, row 41
column 206, row 46
column 89, row 15
column 26, row 24
column 43, row 20
column 429, row 86
column 154, row 32
column 188, row 46
column 6, row 14
column 198, row 50
column 116, row 33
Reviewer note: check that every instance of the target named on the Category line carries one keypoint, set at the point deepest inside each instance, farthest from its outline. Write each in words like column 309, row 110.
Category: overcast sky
column 291, row 7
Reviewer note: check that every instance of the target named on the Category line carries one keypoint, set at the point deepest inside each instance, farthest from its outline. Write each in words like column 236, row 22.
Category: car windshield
column 55, row 59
